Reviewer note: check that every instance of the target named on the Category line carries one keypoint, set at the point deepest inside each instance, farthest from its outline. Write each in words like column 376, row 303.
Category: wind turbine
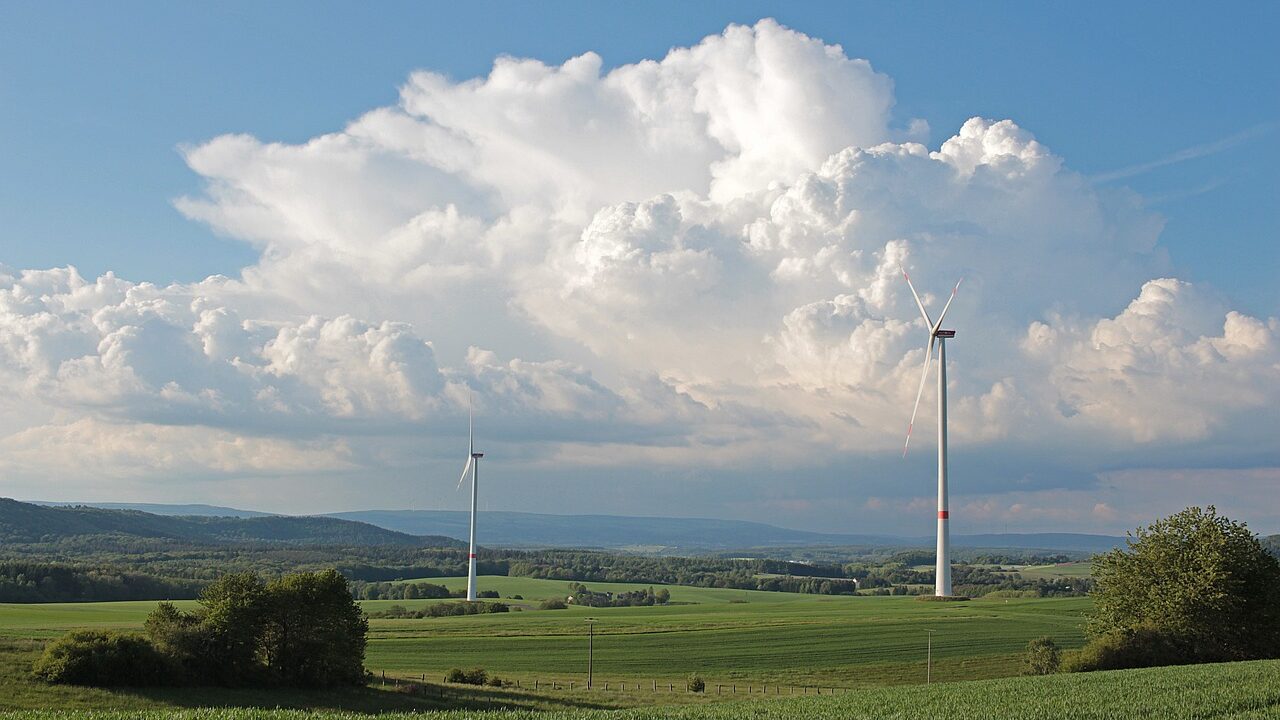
column 473, row 465
column 942, row 573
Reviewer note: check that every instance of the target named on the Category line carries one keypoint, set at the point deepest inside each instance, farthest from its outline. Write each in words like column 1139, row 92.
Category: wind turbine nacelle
column 945, row 334
column 477, row 455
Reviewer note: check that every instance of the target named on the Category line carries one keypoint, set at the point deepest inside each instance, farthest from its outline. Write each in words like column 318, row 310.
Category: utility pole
column 591, row 641
column 928, row 677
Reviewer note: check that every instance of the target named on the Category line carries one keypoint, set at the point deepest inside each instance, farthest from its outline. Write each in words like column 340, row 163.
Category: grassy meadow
column 1082, row 569
column 1234, row 691
column 740, row 640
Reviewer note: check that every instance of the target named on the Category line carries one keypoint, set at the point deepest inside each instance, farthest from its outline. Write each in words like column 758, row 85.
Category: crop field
column 734, row 638
column 1235, row 691
column 730, row 635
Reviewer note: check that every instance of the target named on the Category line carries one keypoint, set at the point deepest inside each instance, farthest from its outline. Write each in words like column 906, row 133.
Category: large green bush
column 1193, row 587
column 1043, row 657
column 474, row 676
column 103, row 658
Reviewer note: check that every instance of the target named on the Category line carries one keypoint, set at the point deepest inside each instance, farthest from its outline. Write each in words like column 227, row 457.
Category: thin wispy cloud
column 1191, row 153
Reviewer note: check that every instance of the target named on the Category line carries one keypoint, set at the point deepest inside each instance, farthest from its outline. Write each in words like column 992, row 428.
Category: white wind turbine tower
column 473, row 465
column 942, row 574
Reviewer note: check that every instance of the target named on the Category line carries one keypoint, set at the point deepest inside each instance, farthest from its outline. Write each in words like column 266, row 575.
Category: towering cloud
column 680, row 267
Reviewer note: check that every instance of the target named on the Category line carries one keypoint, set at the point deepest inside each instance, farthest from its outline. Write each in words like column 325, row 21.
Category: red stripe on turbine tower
column 472, row 556
column 943, row 515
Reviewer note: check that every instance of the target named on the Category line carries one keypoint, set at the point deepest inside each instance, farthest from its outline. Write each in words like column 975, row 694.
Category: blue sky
column 1122, row 293
column 94, row 99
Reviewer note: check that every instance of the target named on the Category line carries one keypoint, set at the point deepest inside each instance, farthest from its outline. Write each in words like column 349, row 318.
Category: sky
column 265, row 255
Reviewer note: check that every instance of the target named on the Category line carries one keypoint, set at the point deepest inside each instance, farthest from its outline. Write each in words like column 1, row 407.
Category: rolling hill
column 538, row 530
column 29, row 523
column 518, row 529
column 191, row 509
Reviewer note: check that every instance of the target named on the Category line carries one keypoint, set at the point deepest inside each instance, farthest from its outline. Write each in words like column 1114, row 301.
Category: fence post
column 570, row 684
column 655, row 686
column 535, row 683
column 717, row 689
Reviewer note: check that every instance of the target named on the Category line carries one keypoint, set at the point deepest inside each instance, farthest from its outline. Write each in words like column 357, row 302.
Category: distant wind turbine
column 472, row 465
column 942, row 574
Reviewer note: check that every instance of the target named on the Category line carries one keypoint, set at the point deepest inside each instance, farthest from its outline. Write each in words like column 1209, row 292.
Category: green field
column 750, row 647
column 731, row 637
column 1060, row 570
column 1235, row 691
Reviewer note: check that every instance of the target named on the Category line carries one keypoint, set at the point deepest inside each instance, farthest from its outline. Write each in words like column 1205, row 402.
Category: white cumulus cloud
column 681, row 263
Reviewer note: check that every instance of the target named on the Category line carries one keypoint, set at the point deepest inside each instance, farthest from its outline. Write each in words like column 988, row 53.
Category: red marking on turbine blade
column 473, row 556
column 943, row 515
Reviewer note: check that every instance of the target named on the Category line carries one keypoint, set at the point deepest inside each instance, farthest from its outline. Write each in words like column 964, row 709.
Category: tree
column 184, row 638
column 235, row 608
column 1200, row 579
column 314, row 632
column 1043, row 657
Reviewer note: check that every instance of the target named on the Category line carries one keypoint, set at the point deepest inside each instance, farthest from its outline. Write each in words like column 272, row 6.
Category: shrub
column 1196, row 577
column 553, row 604
column 96, row 657
column 474, row 676
column 696, row 683
column 1043, row 657
column 1145, row 646
column 487, row 594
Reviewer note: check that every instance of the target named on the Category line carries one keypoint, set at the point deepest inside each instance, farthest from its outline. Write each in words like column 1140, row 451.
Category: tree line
column 582, row 595
column 40, row 582
column 179, row 574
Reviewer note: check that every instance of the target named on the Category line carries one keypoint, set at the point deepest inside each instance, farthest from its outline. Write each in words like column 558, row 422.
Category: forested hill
column 27, row 523
column 1272, row 544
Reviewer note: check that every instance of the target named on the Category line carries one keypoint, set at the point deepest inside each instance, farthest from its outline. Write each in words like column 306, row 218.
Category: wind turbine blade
column 948, row 305
column 919, row 304
column 924, row 377
column 465, row 468
column 471, row 443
